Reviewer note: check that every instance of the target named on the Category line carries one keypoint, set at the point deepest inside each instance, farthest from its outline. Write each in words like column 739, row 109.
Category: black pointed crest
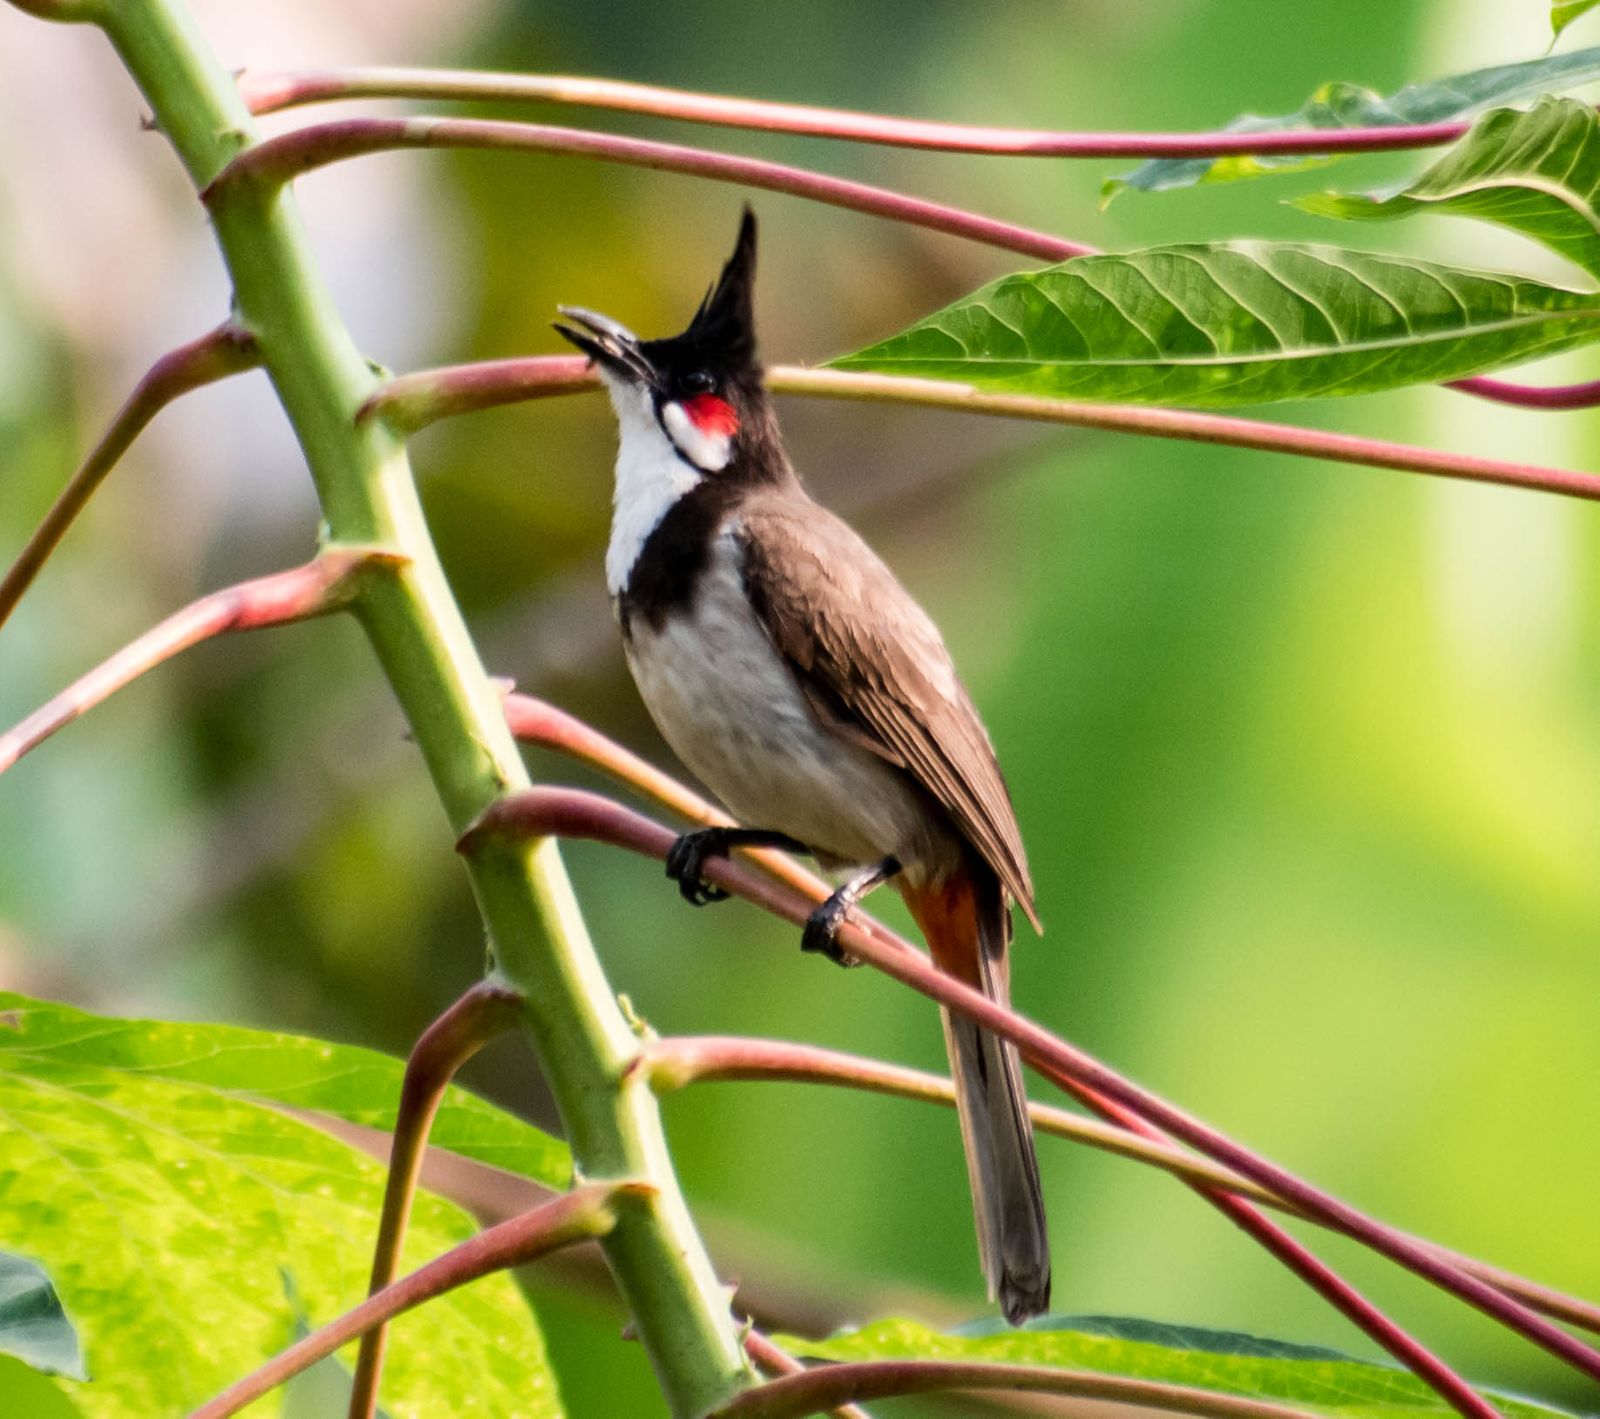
column 723, row 331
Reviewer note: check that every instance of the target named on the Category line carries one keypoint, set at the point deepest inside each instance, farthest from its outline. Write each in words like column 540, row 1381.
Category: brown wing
column 875, row 666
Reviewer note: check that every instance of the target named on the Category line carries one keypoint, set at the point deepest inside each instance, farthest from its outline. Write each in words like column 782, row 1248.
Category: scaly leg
column 822, row 926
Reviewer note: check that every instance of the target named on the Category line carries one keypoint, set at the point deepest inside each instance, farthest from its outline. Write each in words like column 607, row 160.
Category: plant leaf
column 1340, row 105
column 1536, row 172
column 347, row 1082
column 168, row 1207
column 1238, row 323
column 1304, row 1375
column 33, row 1325
column 1564, row 12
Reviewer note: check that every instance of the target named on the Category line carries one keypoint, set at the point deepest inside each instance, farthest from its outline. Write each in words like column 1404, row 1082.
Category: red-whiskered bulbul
column 798, row 679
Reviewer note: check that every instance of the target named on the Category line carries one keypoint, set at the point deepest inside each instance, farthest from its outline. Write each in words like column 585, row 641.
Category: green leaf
column 168, row 1206
column 33, row 1325
column 346, row 1082
column 1536, row 172
column 1564, row 12
column 1304, row 1375
column 1340, row 105
column 1232, row 324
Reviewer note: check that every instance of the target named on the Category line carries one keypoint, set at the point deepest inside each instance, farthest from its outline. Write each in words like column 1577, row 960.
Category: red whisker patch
column 712, row 416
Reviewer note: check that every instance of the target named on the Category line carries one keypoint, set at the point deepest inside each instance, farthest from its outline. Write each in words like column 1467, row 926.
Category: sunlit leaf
column 33, row 1325
column 1303, row 1375
column 168, row 1208
column 1564, row 12
column 1536, row 172
column 1241, row 323
column 1340, row 105
column 357, row 1085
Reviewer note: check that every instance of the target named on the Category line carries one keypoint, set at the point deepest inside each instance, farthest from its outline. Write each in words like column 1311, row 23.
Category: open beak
column 607, row 343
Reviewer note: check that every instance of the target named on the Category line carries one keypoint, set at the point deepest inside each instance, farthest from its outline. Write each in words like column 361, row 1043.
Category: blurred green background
column 1307, row 757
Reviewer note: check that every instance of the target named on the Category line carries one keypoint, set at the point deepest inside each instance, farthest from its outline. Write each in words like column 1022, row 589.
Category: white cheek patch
column 710, row 450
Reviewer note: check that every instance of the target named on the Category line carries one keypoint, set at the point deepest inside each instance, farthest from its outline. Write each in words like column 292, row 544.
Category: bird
column 789, row 669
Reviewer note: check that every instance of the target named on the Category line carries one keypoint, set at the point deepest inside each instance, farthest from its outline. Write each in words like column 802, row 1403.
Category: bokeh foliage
column 1305, row 755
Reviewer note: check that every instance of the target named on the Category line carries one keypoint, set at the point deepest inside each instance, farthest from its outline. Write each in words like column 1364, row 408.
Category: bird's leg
column 687, row 856
column 822, row 926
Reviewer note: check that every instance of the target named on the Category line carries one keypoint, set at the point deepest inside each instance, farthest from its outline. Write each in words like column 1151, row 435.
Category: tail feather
column 967, row 928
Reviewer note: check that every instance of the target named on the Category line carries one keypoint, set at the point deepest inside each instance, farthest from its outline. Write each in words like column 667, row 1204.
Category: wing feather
column 873, row 665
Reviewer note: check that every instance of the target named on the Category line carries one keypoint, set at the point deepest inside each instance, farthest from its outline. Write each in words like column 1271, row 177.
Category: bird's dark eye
column 698, row 382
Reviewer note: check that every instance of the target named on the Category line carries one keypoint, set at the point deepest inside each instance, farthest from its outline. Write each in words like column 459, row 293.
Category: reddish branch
column 677, row 1061
column 324, row 584
column 316, row 145
column 680, row 1060
column 278, row 160
column 485, row 1011
column 824, row 1385
column 539, row 722
column 771, row 1360
column 411, row 401
column 1531, row 396
column 572, row 813
column 580, row 1215
column 269, row 92
column 222, row 352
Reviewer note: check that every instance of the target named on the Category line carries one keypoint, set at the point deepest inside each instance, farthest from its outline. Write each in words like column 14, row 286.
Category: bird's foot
column 686, row 858
column 821, row 932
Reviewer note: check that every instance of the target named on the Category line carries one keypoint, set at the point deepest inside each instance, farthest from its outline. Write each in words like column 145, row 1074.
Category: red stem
column 573, row 813
column 277, row 160
column 321, row 585
column 535, row 721
column 484, row 1012
column 412, row 401
column 221, row 352
column 683, row 1059
column 267, row 93
column 774, row 1361
column 580, row 1215
column 1531, row 396
column 823, row 1385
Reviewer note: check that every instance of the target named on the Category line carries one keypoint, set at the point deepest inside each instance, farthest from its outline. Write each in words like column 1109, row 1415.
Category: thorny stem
column 573, row 813
column 225, row 351
column 409, row 402
column 578, row 1216
column 486, row 1011
column 540, row 946
column 537, row 721
column 269, row 92
column 822, row 1385
column 327, row 583
column 277, row 160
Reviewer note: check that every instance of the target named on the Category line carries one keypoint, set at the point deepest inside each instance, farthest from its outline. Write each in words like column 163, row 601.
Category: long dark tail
column 968, row 927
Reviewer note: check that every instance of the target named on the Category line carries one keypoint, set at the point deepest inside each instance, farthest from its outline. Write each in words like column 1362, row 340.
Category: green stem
column 541, row 948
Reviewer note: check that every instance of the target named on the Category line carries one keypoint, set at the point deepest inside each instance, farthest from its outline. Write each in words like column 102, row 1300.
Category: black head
column 705, row 384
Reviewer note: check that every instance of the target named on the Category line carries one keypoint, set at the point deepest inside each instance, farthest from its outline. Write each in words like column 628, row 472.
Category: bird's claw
column 686, row 859
column 821, row 932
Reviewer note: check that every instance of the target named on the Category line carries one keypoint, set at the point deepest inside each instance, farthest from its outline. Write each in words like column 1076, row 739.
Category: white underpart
column 650, row 478
column 733, row 712
column 710, row 452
